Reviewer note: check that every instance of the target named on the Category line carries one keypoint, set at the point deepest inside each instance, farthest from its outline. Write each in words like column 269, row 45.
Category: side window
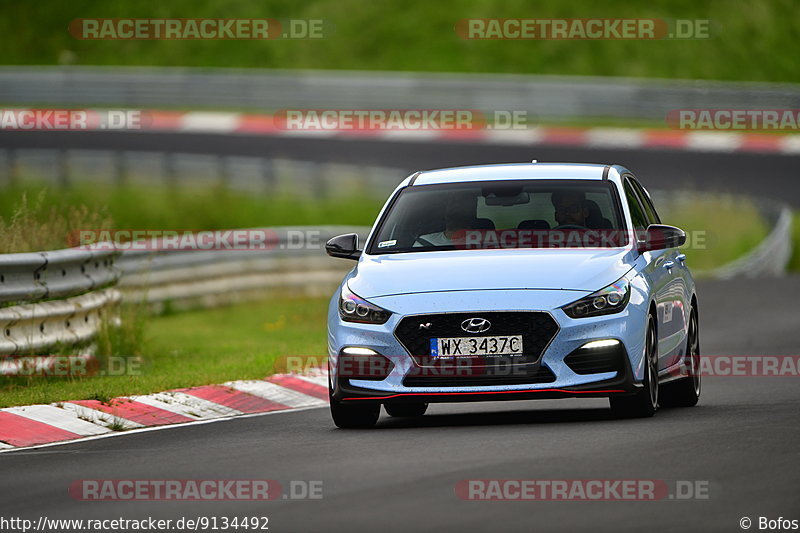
column 637, row 213
column 649, row 208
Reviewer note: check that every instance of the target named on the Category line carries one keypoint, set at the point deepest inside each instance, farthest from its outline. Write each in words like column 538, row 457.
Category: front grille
column 537, row 330
column 596, row 360
column 513, row 375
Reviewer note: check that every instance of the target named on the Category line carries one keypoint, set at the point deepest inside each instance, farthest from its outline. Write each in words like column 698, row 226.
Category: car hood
column 462, row 270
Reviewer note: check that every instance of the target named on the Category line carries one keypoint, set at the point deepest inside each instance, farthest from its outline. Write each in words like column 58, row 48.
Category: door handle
column 669, row 265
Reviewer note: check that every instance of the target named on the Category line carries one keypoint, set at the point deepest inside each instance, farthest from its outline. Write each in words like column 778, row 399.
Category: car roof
column 517, row 171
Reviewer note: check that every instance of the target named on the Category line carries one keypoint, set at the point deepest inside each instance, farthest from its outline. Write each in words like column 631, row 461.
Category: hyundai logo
column 476, row 325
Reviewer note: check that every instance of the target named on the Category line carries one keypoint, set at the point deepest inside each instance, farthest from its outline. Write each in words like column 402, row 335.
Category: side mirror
column 344, row 246
column 660, row 237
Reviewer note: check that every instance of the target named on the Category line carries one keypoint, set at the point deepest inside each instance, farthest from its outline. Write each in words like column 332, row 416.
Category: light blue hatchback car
column 511, row 282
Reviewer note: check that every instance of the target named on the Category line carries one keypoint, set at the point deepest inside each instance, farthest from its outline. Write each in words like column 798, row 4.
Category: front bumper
column 572, row 334
column 621, row 385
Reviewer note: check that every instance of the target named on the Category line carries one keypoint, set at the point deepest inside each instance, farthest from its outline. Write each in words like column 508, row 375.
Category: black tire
column 355, row 416
column 644, row 403
column 685, row 392
column 403, row 410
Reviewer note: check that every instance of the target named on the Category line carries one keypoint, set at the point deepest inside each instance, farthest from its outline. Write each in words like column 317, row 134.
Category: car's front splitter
column 621, row 385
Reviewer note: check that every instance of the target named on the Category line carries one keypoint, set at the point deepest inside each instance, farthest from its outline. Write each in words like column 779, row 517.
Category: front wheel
column 686, row 391
column 354, row 416
column 643, row 404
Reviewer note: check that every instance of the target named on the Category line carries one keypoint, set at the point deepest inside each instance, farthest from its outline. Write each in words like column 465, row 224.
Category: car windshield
column 502, row 214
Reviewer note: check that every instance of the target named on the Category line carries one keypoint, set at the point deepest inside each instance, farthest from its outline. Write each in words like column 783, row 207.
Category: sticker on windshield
column 386, row 244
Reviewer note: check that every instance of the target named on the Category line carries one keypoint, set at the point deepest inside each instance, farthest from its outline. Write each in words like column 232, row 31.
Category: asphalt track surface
column 742, row 439
column 762, row 175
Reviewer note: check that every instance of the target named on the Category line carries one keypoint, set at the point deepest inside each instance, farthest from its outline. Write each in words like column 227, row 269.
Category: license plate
column 476, row 346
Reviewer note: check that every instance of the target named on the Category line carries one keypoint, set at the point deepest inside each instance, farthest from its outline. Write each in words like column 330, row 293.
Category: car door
column 670, row 289
column 658, row 277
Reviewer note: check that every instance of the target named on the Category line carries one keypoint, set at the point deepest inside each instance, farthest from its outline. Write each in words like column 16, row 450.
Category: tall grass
column 44, row 223
column 34, row 220
column 122, row 331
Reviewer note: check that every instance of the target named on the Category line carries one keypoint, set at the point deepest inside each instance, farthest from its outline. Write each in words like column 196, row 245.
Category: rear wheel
column 686, row 391
column 406, row 409
column 643, row 403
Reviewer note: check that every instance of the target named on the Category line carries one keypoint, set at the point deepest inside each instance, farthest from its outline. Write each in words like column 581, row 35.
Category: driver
column 459, row 214
column 571, row 209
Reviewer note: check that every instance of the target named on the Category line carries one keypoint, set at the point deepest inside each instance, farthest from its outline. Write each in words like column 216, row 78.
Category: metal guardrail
column 558, row 97
column 36, row 276
column 180, row 278
column 54, row 298
column 62, row 297
column 40, row 327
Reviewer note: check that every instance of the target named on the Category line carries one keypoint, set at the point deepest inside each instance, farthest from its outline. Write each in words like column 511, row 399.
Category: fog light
column 355, row 350
column 356, row 362
column 604, row 343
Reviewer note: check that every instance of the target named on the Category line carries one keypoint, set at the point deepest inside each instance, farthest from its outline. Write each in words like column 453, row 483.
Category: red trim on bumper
column 484, row 392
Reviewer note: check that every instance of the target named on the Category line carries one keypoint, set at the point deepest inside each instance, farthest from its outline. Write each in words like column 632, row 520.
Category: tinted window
column 637, row 213
column 521, row 214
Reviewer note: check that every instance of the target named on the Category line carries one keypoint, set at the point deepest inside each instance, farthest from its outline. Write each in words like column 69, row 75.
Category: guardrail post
column 11, row 166
column 268, row 173
column 62, row 168
column 120, row 167
column 317, row 174
column 169, row 168
column 222, row 170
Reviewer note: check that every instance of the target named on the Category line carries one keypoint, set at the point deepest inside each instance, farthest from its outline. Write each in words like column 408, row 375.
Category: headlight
column 354, row 309
column 606, row 301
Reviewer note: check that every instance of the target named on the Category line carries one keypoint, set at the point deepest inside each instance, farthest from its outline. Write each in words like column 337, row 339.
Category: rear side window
column 638, row 216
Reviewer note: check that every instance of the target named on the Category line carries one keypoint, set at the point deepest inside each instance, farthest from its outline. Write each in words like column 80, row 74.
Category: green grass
column 750, row 43
column 724, row 229
column 195, row 348
column 45, row 224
